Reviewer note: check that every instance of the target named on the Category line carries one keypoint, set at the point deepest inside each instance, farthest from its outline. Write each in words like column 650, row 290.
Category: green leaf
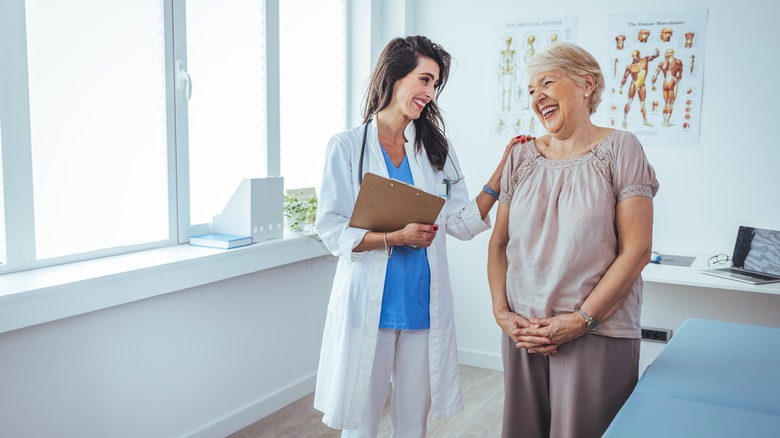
column 300, row 212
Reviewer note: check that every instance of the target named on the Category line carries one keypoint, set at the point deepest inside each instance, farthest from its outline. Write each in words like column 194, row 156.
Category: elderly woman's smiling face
column 558, row 101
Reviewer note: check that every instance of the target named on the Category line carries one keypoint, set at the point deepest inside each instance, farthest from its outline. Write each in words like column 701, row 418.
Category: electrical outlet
column 656, row 334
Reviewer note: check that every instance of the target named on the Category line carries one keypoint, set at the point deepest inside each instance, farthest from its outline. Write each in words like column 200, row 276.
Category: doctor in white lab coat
column 358, row 360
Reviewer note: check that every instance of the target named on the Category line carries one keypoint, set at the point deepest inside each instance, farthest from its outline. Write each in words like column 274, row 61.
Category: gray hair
column 574, row 62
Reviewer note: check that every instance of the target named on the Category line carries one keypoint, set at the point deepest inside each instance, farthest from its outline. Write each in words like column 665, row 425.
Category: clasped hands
column 541, row 335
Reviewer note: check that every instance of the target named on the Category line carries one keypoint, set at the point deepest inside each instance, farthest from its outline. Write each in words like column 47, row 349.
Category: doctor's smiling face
column 415, row 90
column 408, row 76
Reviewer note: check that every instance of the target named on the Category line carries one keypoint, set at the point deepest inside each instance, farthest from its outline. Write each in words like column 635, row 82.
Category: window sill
column 42, row 295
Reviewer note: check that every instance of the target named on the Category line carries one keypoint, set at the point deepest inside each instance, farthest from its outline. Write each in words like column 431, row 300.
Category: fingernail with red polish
column 435, row 227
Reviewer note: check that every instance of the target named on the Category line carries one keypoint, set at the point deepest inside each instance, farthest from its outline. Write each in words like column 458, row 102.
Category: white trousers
column 401, row 359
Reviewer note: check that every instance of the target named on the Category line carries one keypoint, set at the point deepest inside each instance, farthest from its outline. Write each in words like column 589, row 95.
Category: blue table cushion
column 724, row 363
column 713, row 379
column 654, row 416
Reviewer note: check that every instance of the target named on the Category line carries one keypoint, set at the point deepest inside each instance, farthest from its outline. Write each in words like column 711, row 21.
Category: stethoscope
column 448, row 182
column 362, row 153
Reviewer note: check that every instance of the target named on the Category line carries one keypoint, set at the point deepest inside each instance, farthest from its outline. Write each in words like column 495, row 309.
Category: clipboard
column 384, row 205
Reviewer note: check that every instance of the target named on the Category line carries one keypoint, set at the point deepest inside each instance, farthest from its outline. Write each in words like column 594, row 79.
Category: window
column 312, row 85
column 227, row 107
column 3, row 256
column 98, row 124
column 145, row 115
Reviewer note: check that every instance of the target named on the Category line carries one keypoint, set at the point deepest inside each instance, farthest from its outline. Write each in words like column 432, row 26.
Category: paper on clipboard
column 386, row 205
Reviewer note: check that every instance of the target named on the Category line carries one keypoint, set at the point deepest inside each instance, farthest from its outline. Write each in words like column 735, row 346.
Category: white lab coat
column 351, row 327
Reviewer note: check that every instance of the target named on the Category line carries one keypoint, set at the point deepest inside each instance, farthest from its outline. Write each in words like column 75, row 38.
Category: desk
column 714, row 379
column 690, row 276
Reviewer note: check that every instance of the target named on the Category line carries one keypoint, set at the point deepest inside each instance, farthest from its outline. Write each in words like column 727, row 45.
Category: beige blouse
column 562, row 230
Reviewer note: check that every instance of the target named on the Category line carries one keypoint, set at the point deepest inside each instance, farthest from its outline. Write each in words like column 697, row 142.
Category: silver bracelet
column 388, row 251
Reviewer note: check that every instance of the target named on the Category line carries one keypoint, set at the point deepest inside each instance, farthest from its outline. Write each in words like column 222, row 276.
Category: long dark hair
column 399, row 58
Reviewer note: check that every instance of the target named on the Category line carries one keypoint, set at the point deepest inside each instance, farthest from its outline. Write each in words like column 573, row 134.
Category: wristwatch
column 590, row 322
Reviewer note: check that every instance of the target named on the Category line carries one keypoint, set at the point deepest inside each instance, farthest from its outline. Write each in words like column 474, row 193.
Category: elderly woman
column 572, row 233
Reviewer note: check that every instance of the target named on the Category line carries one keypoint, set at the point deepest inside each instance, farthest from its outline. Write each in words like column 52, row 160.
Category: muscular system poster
column 514, row 42
column 654, row 76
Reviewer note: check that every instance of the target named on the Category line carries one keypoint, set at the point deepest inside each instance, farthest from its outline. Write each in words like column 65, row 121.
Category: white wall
column 205, row 361
column 707, row 191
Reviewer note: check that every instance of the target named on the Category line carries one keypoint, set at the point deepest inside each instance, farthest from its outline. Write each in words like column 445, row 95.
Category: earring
column 586, row 94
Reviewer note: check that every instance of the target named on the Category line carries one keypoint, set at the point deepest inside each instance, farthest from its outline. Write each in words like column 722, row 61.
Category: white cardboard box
column 256, row 209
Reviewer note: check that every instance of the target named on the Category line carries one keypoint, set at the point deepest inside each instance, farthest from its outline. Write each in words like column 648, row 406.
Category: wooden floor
column 483, row 394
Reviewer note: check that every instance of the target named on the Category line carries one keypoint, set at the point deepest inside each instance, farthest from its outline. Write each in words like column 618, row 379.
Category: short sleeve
column 633, row 175
column 514, row 169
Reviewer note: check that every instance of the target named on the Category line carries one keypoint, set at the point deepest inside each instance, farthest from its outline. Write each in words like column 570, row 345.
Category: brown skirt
column 573, row 393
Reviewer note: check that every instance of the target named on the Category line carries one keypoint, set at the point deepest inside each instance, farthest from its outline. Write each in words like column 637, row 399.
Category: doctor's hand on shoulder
column 514, row 141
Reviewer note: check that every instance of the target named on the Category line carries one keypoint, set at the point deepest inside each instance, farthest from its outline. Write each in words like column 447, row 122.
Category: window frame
column 17, row 146
column 15, row 140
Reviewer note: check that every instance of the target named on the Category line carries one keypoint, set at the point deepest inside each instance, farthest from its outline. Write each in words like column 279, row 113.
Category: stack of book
column 220, row 240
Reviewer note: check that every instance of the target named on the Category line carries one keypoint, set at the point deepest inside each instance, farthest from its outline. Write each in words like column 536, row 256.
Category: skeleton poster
column 654, row 75
column 514, row 43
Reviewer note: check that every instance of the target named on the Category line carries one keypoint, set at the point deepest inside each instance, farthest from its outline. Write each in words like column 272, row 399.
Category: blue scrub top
column 407, row 293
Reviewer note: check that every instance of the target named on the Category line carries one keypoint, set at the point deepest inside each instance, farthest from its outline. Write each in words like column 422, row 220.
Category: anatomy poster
column 515, row 42
column 654, row 75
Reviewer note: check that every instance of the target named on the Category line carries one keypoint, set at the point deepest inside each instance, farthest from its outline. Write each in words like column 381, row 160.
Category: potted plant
column 300, row 212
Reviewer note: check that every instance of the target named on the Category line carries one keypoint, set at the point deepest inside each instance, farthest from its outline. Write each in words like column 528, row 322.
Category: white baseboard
column 254, row 411
column 480, row 359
